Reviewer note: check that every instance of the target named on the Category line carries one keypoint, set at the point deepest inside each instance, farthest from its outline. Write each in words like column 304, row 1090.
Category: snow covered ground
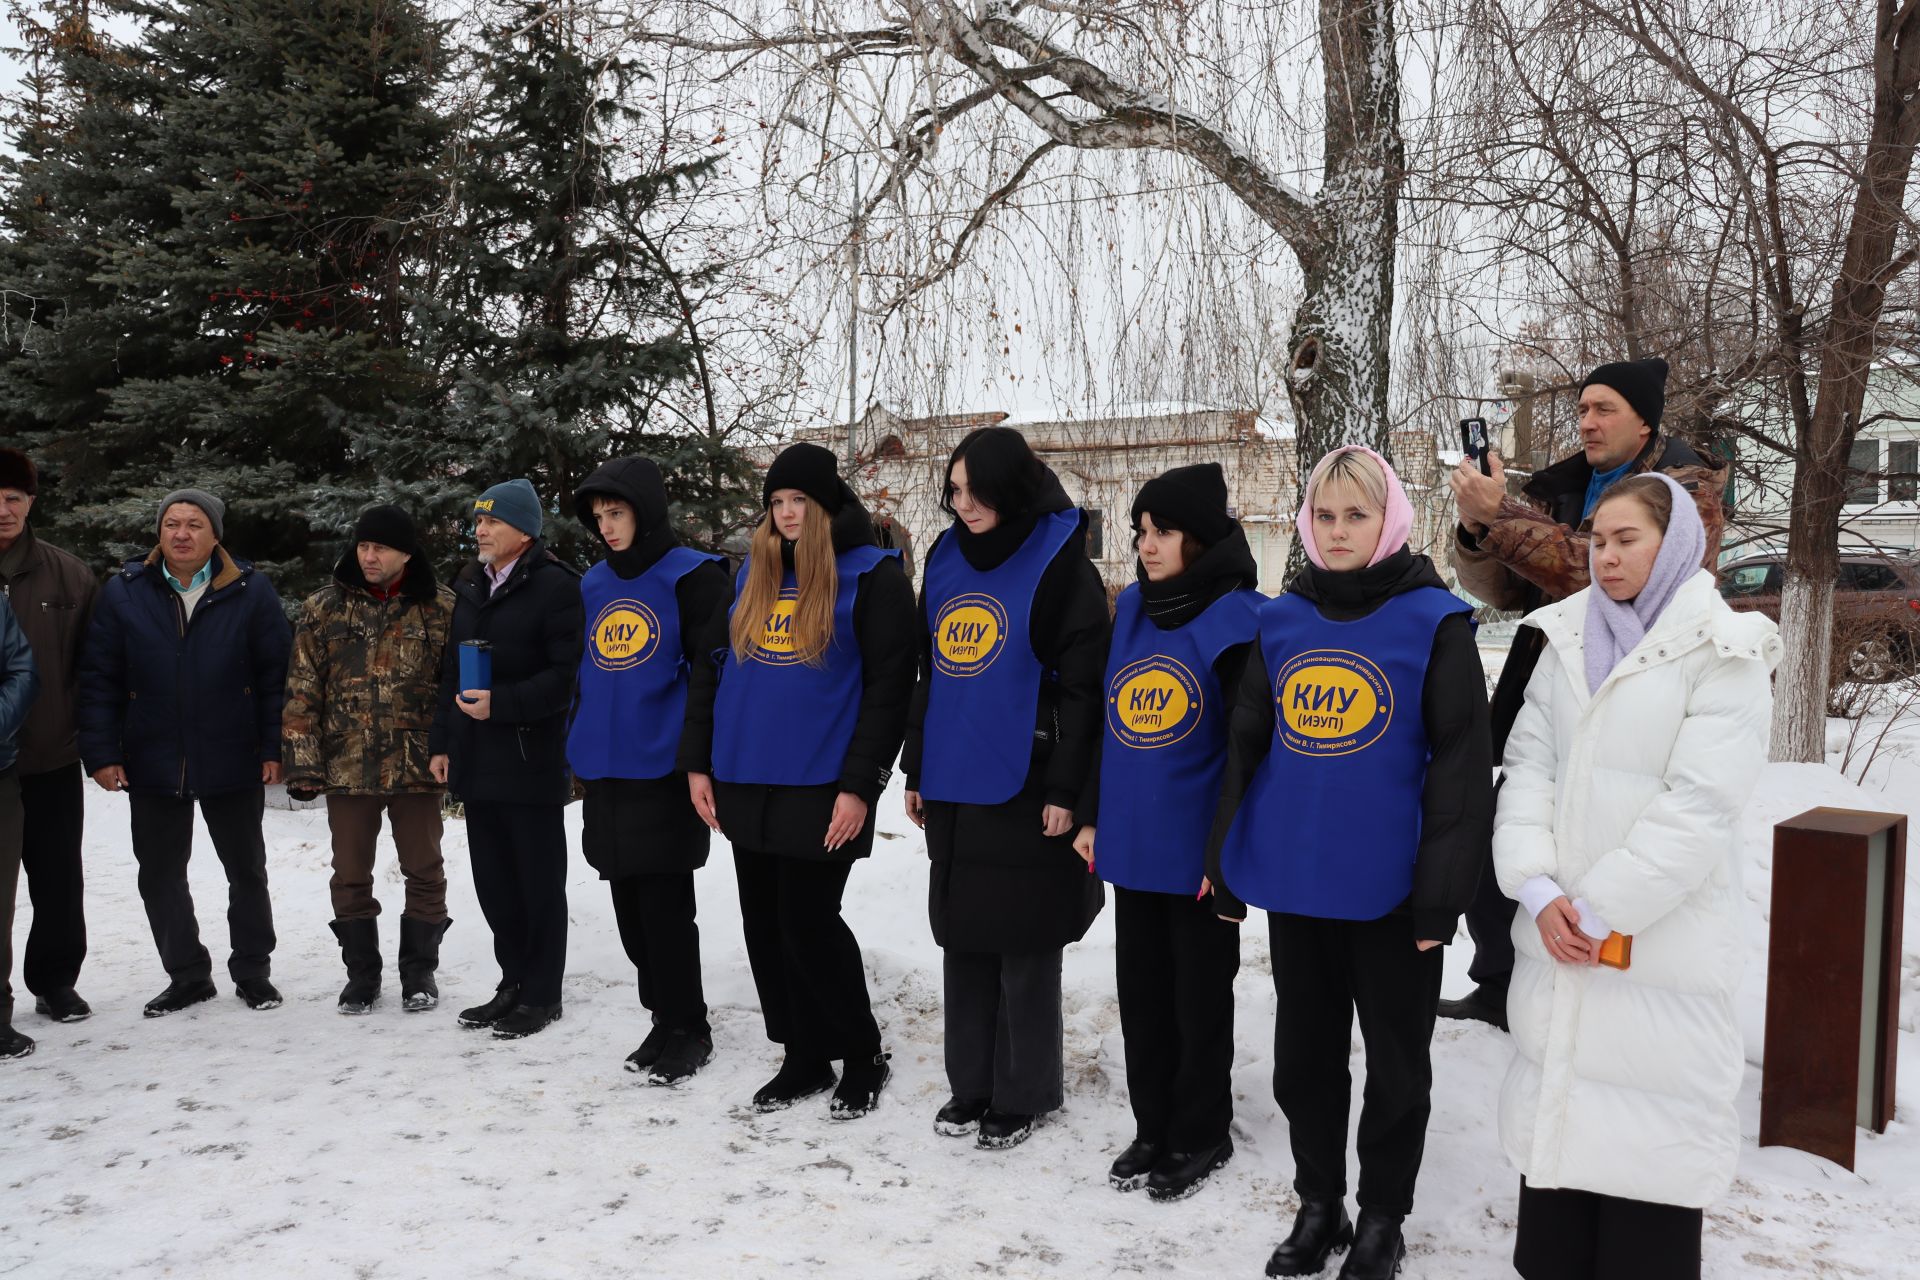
column 222, row 1142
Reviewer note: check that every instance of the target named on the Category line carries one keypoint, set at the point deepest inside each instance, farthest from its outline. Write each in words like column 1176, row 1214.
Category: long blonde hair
column 815, row 574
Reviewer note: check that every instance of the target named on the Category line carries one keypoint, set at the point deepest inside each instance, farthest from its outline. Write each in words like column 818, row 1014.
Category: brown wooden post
column 1833, row 979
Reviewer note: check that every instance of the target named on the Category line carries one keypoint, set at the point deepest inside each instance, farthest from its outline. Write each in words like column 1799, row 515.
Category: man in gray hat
column 181, row 683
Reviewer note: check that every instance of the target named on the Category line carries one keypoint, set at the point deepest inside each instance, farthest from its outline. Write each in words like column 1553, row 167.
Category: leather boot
column 419, row 960
column 360, row 949
column 1319, row 1228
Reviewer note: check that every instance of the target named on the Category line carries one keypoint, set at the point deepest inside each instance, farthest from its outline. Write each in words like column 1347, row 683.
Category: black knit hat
column 18, row 472
column 390, row 527
column 1191, row 499
column 810, row 469
column 1642, row 382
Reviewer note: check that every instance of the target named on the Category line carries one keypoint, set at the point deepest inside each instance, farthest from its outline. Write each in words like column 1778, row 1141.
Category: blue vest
column 783, row 722
column 1166, row 742
column 1330, row 823
column 633, row 672
column 978, row 735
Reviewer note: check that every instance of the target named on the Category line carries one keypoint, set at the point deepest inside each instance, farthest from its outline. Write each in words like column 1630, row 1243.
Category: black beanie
column 810, row 469
column 390, row 527
column 1190, row 499
column 1642, row 382
column 18, row 472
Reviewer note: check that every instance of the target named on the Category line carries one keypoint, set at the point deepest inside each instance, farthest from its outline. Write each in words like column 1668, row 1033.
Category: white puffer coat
column 1623, row 1083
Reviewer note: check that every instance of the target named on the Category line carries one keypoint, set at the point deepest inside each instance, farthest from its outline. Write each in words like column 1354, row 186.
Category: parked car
column 1876, row 608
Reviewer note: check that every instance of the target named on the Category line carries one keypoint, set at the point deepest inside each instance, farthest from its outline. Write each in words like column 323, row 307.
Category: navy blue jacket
column 19, row 682
column 187, row 708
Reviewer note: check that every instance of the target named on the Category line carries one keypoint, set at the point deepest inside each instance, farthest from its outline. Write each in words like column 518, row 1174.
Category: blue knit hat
column 515, row 502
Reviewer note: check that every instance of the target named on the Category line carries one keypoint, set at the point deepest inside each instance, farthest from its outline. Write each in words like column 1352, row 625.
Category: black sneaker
column 1002, row 1129
column 860, row 1086
column 1181, row 1173
column 1129, row 1172
column 1482, row 1004
column 64, row 1005
column 12, row 1043
column 258, row 993
column 525, row 1020
column 485, row 1015
column 960, row 1117
column 682, row 1057
column 180, row 994
column 795, row 1080
column 649, row 1051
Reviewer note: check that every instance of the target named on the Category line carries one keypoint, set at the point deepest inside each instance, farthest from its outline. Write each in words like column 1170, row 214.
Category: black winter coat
column 187, row 707
column 1456, row 800
column 793, row 820
column 537, row 627
column 647, row 826
column 996, row 882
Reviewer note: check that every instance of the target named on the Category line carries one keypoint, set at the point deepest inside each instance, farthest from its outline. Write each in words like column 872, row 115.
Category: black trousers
column 1175, row 961
column 657, row 927
column 519, row 856
column 1581, row 1235
column 805, row 960
column 162, row 844
column 1005, row 1039
column 1324, row 972
column 1490, row 924
column 54, row 811
column 9, row 882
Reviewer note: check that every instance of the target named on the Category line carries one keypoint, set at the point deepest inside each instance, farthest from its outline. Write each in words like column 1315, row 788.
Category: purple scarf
column 1614, row 627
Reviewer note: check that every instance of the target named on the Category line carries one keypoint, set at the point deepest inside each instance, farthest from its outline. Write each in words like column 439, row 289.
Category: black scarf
column 988, row 551
column 643, row 554
column 1225, row 566
column 1356, row 593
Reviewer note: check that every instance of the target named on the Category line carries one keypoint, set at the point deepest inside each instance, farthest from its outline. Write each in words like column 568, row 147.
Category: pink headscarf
column 1394, row 530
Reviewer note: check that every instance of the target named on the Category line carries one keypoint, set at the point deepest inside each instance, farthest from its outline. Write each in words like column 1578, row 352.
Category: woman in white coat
column 1644, row 732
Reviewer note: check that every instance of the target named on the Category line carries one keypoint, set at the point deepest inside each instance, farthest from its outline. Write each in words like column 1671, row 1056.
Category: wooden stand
column 1833, row 979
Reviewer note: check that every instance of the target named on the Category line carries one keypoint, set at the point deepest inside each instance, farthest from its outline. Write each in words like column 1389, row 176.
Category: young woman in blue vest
column 1014, row 629
column 1357, row 802
column 789, row 742
column 654, row 610
column 1181, row 636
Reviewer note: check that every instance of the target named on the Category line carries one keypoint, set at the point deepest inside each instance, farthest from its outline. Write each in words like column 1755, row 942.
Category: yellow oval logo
column 1153, row 703
column 625, row 634
column 968, row 634
column 1331, row 702
column 777, row 644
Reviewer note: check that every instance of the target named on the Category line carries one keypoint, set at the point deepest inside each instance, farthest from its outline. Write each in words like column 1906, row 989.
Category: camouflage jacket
column 363, row 684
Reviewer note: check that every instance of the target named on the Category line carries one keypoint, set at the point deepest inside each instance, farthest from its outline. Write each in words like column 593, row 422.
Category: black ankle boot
column 1377, row 1247
column 1130, row 1170
column 485, row 1015
column 1181, row 1173
column 419, row 961
column 861, row 1080
column 1319, row 1228
column 959, row 1117
column 360, row 949
column 795, row 1080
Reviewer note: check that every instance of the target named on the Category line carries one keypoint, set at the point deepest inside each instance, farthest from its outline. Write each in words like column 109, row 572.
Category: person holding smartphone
column 1181, row 636
column 1013, row 652
column 1643, row 732
column 789, row 741
column 1357, row 800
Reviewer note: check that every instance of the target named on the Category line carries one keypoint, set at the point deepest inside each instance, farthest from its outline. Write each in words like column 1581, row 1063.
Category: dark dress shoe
column 1129, row 1172
column 258, row 993
column 1319, row 1228
column 1181, row 1173
column 525, row 1020
column 1378, row 1247
column 1482, row 1004
column 1002, row 1129
column 485, row 1015
column 861, row 1081
column 793, row 1081
column 681, row 1059
column 180, row 994
column 64, row 1005
column 649, row 1051
column 960, row 1117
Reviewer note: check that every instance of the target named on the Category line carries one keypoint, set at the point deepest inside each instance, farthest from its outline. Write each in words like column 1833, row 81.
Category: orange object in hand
column 1617, row 951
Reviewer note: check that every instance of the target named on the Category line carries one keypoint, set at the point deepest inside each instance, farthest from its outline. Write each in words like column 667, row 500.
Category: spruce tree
column 218, row 241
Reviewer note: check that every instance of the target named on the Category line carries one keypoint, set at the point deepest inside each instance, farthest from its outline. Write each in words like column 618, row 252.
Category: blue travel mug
column 476, row 666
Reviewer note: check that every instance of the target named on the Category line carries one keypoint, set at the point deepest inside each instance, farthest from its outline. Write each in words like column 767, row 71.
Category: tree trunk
column 1337, row 379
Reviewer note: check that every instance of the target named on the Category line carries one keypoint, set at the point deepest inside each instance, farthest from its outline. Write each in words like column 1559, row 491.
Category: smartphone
column 1473, row 442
